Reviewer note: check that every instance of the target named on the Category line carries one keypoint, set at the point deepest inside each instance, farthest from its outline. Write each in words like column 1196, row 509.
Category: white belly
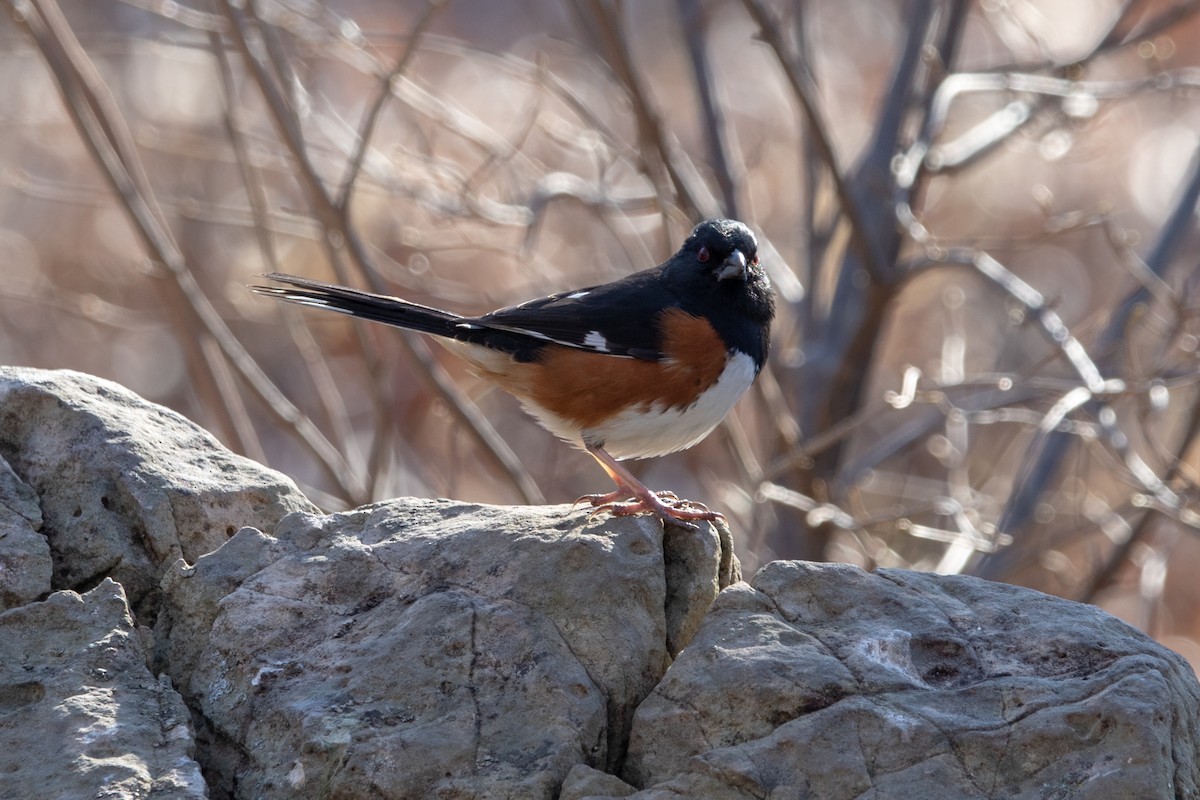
column 643, row 432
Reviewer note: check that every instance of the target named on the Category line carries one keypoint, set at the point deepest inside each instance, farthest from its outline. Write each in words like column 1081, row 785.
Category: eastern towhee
column 640, row 367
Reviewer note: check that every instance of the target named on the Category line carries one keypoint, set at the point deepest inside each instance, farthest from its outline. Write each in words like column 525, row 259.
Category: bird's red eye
column 703, row 254
column 755, row 259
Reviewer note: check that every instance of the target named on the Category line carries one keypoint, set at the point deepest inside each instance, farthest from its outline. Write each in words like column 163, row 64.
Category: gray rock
column 25, row 564
column 80, row 715
column 698, row 567
column 423, row 649
column 126, row 487
column 583, row 782
column 434, row 649
column 825, row 681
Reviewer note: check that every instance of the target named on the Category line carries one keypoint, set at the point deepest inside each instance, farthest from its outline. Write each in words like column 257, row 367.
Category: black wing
column 616, row 318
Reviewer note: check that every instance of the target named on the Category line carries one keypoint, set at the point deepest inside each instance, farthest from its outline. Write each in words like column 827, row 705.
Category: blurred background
column 980, row 219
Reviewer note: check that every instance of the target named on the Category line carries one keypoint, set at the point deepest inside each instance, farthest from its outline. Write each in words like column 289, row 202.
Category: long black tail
column 377, row 307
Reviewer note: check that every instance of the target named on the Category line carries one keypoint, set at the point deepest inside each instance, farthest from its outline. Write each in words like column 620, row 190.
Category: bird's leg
column 665, row 505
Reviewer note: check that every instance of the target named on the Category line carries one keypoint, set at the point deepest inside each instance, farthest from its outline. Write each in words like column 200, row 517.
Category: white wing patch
column 593, row 342
column 596, row 341
column 577, row 295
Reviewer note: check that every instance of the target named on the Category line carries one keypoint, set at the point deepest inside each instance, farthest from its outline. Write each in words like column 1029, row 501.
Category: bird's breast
column 646, row 430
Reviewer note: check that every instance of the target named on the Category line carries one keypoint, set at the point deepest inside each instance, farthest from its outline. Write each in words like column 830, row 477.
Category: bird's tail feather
column 365, row 305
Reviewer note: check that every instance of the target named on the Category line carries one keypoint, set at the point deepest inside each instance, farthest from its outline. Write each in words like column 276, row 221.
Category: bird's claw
column 667, row 506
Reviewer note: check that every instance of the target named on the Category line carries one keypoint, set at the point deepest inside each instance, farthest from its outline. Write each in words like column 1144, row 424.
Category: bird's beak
column 733, row 267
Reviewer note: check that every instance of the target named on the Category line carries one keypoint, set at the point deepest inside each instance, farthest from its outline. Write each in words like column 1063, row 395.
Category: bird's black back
column 624, row 314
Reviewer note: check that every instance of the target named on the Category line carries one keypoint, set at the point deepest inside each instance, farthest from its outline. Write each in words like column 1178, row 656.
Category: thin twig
column 807, row 93
column 329, row 401
column 694, row 21
column 367, row 130
column 105, row 133
column 658, row 156
column 343, row 241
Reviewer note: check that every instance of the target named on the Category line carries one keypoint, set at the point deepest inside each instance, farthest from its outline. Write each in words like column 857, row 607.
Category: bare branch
column 103, row 130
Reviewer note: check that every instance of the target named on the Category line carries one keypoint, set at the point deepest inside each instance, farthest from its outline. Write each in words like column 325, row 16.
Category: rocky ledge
column 181, row 623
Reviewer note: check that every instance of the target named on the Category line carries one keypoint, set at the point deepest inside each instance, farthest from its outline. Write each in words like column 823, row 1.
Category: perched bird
column 640, row 367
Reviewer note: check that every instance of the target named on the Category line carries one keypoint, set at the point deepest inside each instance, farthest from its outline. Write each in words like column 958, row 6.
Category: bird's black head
column 714, row 247
column 717, row 275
